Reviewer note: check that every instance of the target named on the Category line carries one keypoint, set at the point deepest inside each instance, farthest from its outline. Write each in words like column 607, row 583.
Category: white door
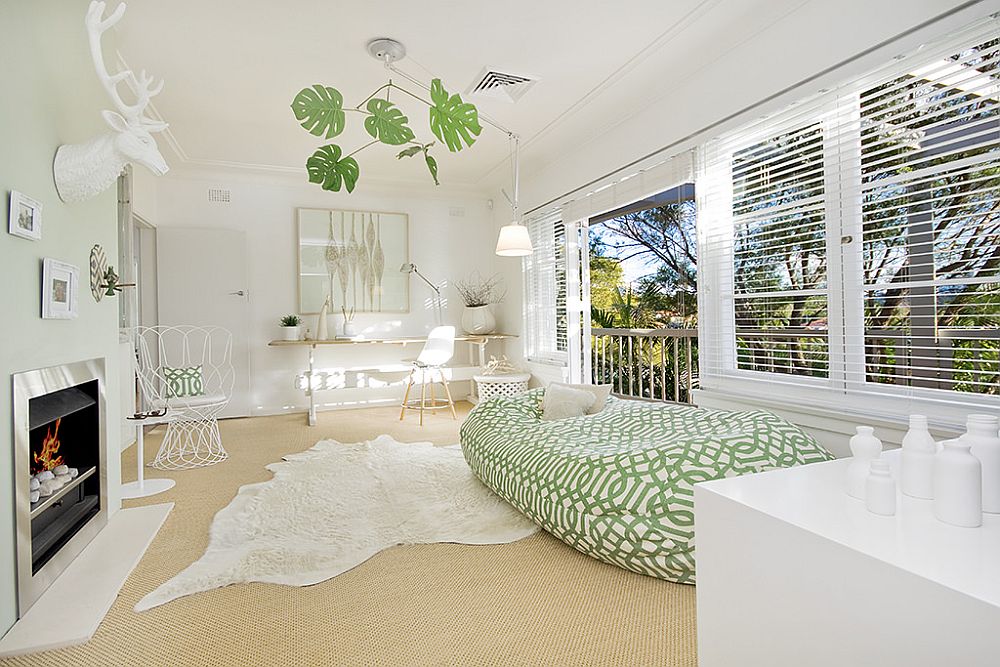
column 201, row 280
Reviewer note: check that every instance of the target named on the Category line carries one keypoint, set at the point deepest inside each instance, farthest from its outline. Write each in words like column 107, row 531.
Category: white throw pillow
column 562, row 402
column 600, row 392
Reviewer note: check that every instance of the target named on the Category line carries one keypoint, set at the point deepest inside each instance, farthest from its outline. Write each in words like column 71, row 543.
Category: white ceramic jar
column 919, row 449
column 982, row 437
column 478, row 320
column 958, row 485
column 880, row 489
column 865, row 447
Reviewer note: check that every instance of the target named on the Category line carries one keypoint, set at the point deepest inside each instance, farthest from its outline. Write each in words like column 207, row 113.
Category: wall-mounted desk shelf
column 477, row 343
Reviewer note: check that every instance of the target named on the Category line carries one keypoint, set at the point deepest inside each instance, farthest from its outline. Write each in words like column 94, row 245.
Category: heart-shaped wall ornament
column 98, row 268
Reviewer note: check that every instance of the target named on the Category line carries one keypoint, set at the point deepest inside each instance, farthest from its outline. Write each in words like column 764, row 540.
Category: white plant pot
column 292, row 333
column 478, row 320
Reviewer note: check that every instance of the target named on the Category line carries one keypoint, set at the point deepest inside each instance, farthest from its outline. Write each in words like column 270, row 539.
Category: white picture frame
column 336, row 248
column 60, row 289
column 25, row 217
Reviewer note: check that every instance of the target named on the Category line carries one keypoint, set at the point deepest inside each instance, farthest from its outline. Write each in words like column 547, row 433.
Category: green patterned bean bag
column 619, row 485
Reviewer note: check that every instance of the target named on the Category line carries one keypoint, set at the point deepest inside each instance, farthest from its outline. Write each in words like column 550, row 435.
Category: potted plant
column 291, row 327
column 478, row 294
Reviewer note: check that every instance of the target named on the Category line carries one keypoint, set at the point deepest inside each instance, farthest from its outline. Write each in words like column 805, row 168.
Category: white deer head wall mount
column 85, row 170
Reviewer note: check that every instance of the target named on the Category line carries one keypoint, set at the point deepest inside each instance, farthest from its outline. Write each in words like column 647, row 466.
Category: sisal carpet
column 533, row 602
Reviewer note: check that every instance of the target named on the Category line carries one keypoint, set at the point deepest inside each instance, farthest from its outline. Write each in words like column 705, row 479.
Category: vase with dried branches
column 479, row 294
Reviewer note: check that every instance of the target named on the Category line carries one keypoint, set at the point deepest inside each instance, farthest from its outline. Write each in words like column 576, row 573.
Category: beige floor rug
column 334, row 506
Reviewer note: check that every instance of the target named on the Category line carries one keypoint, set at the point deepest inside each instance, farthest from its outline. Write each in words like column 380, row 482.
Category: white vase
column 478, row 320
column 349, row 330
column 880, row 489
column 291, row 333
column 865, row 447
column 981, row 435
column 958, row 485
column 322, row 326
column 919, row 448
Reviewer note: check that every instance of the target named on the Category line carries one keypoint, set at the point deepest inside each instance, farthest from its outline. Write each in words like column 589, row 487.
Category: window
column 854, row 240
column 779, row 254
column 545, row 312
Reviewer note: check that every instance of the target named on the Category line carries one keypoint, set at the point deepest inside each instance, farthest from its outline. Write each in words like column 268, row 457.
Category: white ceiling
column 233, row 66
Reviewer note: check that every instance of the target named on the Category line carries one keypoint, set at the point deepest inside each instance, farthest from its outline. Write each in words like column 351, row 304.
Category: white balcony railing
column 655, row 364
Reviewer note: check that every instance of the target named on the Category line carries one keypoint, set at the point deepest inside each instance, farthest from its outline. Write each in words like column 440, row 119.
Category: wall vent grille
column 219, row 195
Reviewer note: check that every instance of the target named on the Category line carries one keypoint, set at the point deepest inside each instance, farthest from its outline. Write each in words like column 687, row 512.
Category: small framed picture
column 60, row 285
column 25, row 216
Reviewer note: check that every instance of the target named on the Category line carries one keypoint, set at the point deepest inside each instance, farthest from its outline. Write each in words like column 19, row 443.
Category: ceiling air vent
column 218, row 195
column 500, row 85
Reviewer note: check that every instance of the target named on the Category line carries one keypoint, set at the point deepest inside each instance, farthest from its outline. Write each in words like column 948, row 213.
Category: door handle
column 238, row 293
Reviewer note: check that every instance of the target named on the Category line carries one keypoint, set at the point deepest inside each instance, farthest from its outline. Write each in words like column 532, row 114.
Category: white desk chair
column 186, row 373
column 438, row 351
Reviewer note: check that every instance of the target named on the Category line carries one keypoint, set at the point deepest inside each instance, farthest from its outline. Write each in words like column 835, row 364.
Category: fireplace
column 60, row 442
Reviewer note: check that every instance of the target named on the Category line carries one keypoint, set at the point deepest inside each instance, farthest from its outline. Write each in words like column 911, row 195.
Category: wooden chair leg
column 406, row 396
column 447, row 391
column 431, row 387
column 423, row 390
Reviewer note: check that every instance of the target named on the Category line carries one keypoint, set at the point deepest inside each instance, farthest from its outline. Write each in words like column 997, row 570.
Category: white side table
column 493, row 386
column 792, row 571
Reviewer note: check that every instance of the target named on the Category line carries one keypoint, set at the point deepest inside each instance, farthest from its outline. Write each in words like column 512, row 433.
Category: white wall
column 51, row 96
column 451, row 234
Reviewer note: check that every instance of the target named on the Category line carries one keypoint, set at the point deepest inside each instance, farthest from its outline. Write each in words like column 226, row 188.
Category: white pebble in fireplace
column 60, row 434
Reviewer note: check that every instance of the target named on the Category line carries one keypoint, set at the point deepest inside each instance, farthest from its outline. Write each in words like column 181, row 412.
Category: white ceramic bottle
column 919, row 448
column 958, row 485
column 865, row 447
column 880, row 489
column 981, row 435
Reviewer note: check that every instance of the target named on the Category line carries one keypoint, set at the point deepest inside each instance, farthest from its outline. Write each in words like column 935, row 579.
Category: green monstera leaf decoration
column 387, row 123
column 432, row 165
column 320, row 110
column 453, row 121
column 326, row 167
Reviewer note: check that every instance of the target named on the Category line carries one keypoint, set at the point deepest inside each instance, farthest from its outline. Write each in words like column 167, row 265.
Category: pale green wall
column 49, row 95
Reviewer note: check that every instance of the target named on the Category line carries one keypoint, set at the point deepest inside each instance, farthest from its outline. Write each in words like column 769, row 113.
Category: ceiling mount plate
column 386, row 49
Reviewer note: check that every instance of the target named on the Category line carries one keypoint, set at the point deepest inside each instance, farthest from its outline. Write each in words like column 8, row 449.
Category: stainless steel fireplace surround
column 36, row 574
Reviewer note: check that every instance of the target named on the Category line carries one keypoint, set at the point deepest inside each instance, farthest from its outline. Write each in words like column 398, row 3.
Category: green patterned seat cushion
column 183, row 382
column 619, row 485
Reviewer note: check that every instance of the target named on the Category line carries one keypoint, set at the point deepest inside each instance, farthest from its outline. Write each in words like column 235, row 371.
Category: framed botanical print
column 25, row 216
column 60, row 287
column 354, row 258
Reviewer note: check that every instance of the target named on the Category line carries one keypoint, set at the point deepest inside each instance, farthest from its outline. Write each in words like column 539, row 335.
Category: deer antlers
column 142, row 86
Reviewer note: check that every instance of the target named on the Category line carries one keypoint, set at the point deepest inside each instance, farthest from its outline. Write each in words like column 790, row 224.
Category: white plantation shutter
column 851, row 245
column 545, row 297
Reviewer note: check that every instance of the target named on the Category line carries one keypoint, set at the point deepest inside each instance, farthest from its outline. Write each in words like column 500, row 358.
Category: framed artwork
column 354, row 257
column 25, row 216
column 60, row 287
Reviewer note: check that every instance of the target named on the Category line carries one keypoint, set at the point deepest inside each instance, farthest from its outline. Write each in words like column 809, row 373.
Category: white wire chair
column 192, row 439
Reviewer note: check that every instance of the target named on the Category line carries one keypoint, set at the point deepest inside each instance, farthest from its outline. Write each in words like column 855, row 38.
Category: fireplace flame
column 47, row 459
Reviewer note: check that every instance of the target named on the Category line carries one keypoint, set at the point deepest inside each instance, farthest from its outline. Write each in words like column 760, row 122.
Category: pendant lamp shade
column 514, row 241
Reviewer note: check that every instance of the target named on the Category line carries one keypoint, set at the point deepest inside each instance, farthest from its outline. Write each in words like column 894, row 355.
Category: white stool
column 493, row 386
column 438, row 350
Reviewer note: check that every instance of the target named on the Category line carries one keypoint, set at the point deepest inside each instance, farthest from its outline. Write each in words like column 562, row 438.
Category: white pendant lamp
column 514, row 240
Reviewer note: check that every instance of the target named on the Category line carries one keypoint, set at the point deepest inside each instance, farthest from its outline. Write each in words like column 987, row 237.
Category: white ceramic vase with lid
column 984, row 442
column 865, row 447
column 958, row 485
column 919, row 449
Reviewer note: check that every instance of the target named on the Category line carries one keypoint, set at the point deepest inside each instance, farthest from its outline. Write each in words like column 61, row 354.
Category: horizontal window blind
column 545, row 313
column 779, row 254
column 929, row 174
column 851, row 244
